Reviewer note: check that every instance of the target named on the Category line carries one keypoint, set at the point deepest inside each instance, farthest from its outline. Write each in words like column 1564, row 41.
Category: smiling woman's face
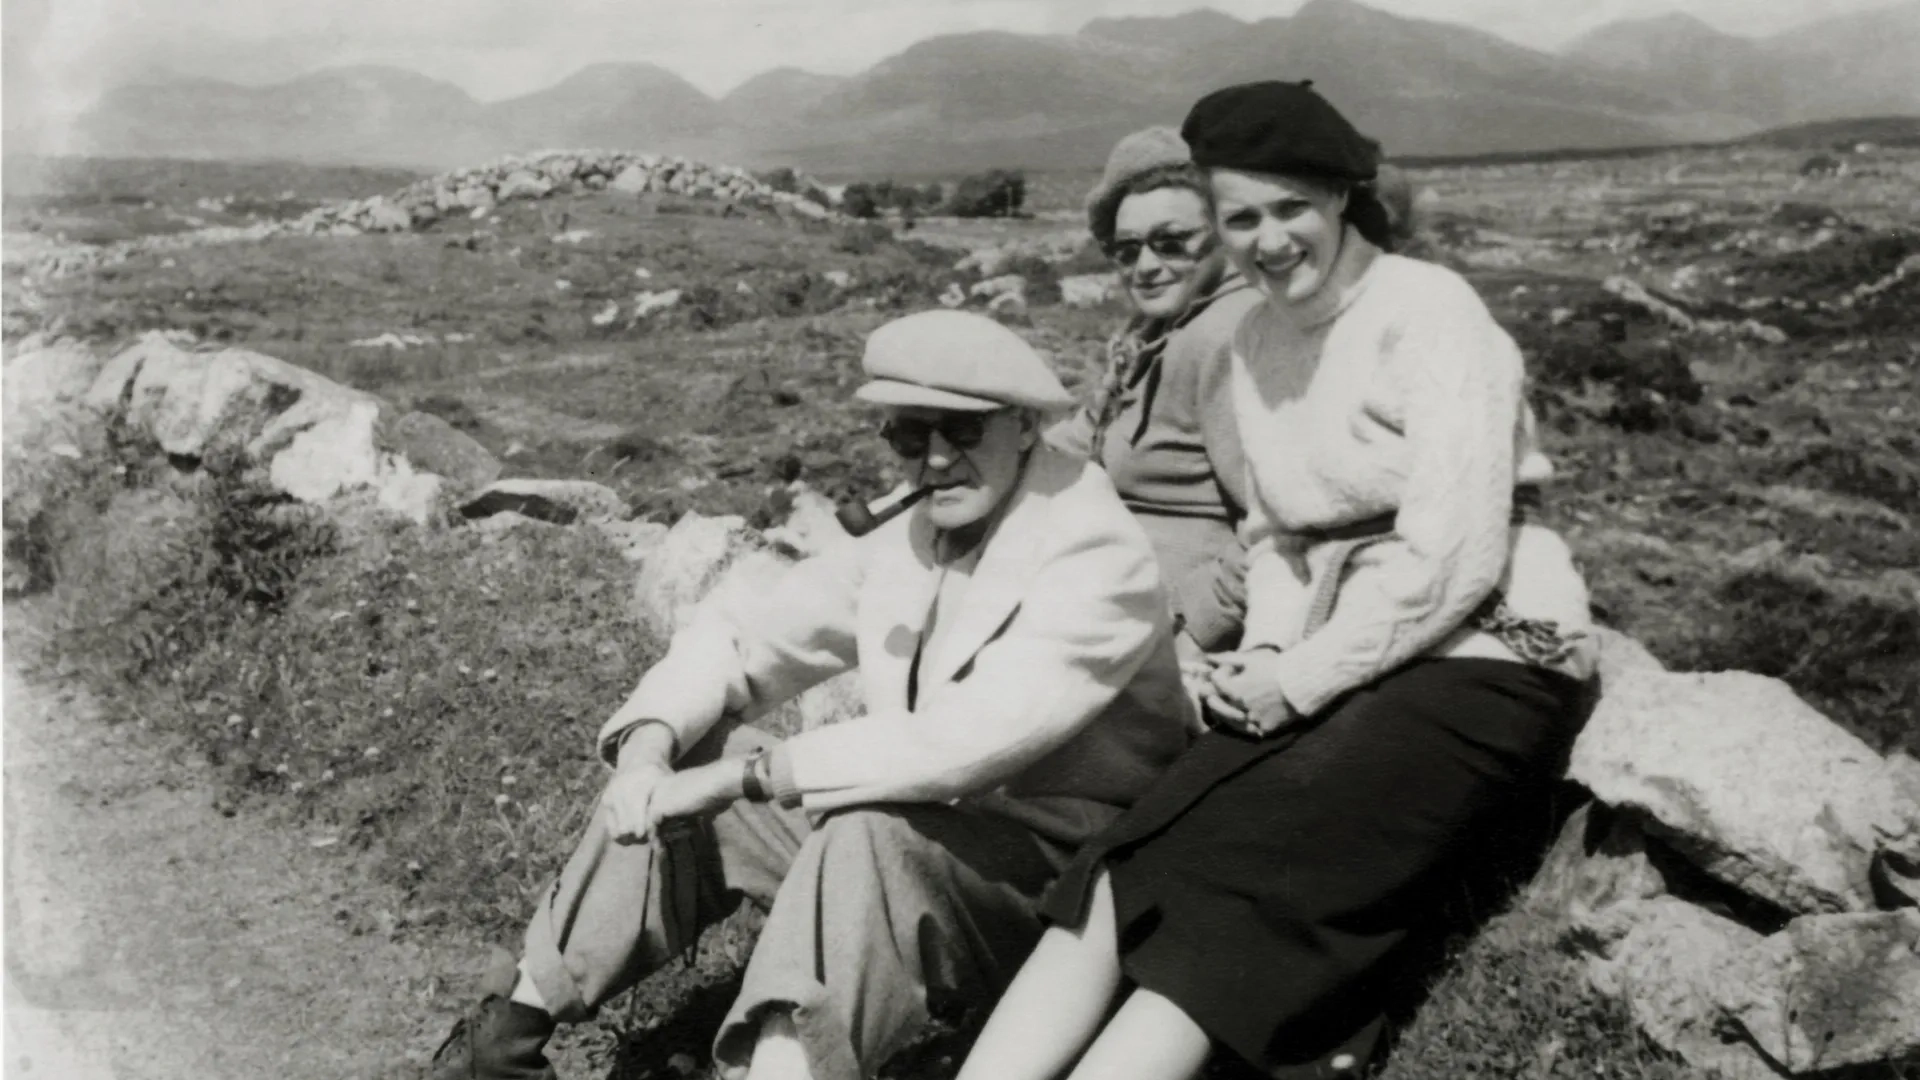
column 1166, row 235
column 1283, row 233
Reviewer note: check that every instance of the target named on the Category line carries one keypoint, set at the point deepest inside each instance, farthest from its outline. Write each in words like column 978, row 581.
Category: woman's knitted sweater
column 1391, row 391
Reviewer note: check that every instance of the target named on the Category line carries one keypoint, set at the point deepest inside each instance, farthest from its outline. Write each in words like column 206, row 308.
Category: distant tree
column 995, row 193
column 860, row 200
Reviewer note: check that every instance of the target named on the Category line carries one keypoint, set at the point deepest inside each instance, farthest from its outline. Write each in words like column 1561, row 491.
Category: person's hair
column 1385, row 218
column 1183, row 176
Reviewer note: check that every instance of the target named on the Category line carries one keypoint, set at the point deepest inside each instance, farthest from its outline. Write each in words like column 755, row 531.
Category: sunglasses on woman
column 910, row 438
column 1167, row 244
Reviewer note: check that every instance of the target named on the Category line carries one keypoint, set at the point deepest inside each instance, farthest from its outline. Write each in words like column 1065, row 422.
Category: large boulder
column 703, row 563
column 436, row 446
column 313, row 438
column 1830, row 991
column 197, row 403
column 333, row 455
column 689, row 563
column 39, row 384
column 382, row 214
column 1825, row 992
column 1665, row 958
column 811, row 527
column 1601, row 859
column 524, row 184
column 632, row 180
column 1748, row 782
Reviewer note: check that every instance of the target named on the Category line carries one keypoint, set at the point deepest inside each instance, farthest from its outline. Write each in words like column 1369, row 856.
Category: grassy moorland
column 1739, row 498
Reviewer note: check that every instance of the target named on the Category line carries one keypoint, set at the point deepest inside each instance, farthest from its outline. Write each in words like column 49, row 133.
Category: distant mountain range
column 970, row 101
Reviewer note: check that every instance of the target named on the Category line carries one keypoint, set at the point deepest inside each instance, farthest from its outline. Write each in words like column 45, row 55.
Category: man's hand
column 696, row 792
column 1245, row 693
column 627, row 798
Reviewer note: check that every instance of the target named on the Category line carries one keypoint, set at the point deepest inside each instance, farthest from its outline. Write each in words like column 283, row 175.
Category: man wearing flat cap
column 1021, row 686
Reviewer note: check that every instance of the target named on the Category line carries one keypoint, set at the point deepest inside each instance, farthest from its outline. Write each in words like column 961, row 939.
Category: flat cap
column 1278, row 127
column 956, row 360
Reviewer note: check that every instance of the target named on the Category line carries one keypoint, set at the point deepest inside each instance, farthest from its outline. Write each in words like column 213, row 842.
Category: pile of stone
column 1746, row 875
column 472, row 192
column 289, row 429
column 1746, row 878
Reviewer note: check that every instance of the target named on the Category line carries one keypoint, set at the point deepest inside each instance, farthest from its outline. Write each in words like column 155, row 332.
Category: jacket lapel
column 896, row 595
column 1001, row 580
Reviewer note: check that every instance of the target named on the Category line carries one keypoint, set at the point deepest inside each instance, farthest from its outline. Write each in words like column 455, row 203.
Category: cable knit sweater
column 1390, row 391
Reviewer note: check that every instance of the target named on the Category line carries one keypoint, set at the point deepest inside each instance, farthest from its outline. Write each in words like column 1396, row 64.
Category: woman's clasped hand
column 1241, row 694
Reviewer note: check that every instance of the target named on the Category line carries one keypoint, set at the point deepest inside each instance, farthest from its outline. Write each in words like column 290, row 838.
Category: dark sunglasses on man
column 910, row 438
column 1169, row 245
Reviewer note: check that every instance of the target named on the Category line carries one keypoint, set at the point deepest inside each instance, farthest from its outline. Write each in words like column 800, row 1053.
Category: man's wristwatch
column 755, row 784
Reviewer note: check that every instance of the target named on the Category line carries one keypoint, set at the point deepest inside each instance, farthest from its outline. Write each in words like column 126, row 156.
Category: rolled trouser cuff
column 824, row 1037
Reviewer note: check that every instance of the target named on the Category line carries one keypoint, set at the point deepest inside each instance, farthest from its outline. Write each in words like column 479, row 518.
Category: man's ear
column 1029, row 428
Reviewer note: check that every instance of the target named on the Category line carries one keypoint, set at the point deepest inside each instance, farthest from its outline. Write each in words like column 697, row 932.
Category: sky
column 59, row 55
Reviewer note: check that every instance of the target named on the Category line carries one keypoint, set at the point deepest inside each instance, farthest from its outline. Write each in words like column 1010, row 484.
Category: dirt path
column 147, row 936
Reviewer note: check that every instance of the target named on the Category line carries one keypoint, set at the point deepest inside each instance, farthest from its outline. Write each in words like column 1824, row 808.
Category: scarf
column 1133, row 358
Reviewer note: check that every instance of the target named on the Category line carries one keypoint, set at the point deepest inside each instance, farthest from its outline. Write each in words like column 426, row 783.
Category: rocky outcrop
column 1829, row 991
column 307, row 436
column 1744, row 876
column 1751, row 783
column 704, row 562
column 1724, row 807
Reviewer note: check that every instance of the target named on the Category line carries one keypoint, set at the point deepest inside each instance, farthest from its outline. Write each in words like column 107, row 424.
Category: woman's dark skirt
column 1271, row 888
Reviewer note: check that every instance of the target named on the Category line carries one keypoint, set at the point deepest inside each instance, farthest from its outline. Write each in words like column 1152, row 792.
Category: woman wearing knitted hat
column 1161, row 421
column 1411, row 673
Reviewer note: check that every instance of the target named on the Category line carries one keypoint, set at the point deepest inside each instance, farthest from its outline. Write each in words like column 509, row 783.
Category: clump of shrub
column 1886, row 475
column 994, row 193
column 1604, row 365
column 872, row 199
column 863, row 238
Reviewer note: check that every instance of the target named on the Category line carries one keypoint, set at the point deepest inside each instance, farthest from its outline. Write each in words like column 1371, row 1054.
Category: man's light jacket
column 1055, row 697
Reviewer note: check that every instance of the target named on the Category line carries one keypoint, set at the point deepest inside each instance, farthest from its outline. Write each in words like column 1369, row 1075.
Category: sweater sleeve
column 1458, row 377
column 1218, row 602
column 1213, row 407
column 1090, row 621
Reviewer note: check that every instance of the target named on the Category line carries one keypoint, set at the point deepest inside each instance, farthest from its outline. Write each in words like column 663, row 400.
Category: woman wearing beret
column 1161, row 420
column 1410, row 676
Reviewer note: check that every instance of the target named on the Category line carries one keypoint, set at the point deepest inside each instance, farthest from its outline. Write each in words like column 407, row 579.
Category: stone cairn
column 475, row 192
column 1744, row 875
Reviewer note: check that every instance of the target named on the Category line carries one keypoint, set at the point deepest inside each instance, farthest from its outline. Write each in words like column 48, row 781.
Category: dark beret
column 1278, row 127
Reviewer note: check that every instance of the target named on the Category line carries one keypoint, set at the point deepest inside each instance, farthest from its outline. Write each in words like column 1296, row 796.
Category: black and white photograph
column 960, row 539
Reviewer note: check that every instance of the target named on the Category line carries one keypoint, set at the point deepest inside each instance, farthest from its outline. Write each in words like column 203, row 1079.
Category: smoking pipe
column 859, row 519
